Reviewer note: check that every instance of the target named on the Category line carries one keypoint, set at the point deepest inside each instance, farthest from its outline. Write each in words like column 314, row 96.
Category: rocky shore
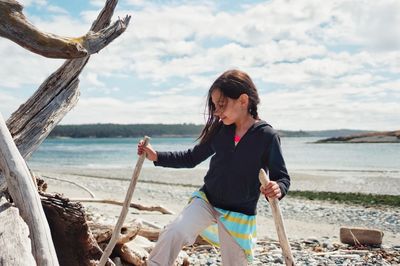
column 311, row 251
column 375, row 137
column 312, row 226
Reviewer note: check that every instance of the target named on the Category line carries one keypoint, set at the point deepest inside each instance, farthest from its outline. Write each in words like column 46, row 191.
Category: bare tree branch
column 15, row 27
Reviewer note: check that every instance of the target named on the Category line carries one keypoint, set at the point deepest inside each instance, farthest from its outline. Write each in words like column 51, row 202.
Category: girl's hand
column 151, row 154
column 271, row 190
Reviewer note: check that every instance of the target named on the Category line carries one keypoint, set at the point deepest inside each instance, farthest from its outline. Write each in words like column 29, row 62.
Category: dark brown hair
column 232, row 84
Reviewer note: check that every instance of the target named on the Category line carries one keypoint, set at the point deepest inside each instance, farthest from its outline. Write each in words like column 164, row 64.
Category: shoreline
column 365, row 182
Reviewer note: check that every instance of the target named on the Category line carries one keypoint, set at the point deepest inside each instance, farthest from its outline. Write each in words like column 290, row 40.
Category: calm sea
column 300, row 154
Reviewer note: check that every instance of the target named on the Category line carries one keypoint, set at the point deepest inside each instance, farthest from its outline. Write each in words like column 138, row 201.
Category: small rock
column 278, row 260
column 311, row 240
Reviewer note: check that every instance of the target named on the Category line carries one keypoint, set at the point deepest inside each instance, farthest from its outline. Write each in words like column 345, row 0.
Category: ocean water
column 301, row 155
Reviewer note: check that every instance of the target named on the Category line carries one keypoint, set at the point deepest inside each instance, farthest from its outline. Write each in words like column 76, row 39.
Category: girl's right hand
column 151, row 154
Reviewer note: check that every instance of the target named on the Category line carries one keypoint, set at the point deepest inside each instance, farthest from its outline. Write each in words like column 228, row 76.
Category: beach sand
column 171, row 188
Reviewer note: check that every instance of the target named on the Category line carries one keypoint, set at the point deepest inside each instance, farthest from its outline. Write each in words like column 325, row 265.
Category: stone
column 360, row 236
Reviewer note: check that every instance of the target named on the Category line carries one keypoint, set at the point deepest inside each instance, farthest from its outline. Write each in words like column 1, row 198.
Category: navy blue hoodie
column 231, row 182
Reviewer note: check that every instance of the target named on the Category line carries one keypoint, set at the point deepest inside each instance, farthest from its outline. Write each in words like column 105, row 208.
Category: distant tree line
column 125, row 131
column 164, row 130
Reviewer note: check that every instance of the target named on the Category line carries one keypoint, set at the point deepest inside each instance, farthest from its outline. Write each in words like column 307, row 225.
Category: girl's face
column 227, row 109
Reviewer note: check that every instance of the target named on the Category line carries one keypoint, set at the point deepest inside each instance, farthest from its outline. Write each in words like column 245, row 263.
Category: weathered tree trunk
column 14, row 26
column 23, row 191
column 58, row 94
column 73, row 239
column 14, row 241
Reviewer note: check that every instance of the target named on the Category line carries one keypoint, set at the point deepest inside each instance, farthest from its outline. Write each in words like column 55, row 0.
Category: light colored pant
column 184, row 230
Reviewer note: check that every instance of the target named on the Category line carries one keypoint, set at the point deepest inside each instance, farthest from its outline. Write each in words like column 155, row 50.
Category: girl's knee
column 179, row 233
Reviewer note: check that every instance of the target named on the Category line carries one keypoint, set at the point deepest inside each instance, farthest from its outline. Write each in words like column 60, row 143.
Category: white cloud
column 92, row 80
column 370, row 24
column 8, row 104
column 329, row 108
column 57, row 9
column 97, row 3
column 161, row 109
column 27, row 3
column 20, row 67
column 332, row 61
column 62, row 24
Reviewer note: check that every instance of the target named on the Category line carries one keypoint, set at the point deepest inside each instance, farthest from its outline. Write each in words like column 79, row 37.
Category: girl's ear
column 244, row 100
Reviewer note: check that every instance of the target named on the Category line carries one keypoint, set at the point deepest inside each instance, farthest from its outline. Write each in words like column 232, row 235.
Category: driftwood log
column 56, row 96
column 74, row 242
column 15, row 27
column 23, row 191
column 137, row 249
column 14, row 237
column 130, row 253
column 35, row 119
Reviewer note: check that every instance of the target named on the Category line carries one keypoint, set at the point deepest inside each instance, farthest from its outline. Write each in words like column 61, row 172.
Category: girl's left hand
column 271, row 190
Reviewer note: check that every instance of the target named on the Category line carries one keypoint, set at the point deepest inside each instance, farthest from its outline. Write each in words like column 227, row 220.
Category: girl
column 223, row 210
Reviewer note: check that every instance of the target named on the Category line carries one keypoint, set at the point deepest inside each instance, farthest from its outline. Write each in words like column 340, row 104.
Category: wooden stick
column 132, row 205
column 278, row 220
column 124, row 210
column 74, row 183
column 23, row 192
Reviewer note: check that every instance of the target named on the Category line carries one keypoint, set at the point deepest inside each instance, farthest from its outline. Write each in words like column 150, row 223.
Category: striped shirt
column 240, row 226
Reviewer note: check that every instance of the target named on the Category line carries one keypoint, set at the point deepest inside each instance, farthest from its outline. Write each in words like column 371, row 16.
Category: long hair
column 231, row 84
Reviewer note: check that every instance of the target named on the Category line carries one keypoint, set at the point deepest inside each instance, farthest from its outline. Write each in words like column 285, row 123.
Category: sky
column 317, row 64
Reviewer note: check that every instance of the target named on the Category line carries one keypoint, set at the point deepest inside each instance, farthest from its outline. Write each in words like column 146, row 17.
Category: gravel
column 310, row 251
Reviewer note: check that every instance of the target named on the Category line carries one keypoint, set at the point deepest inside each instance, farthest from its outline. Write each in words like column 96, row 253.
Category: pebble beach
column 312, row 226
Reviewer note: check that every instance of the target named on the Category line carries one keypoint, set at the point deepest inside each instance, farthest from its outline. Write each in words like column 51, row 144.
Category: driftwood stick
column 103, row 232
column 124, row 210
column 23, row 191
column 359, row 252
column 132, row 205
column 150, row 234
column 278, row 219
column 74, row 183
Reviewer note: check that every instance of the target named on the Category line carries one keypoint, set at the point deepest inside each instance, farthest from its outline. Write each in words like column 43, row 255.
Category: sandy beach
column 171, row 188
